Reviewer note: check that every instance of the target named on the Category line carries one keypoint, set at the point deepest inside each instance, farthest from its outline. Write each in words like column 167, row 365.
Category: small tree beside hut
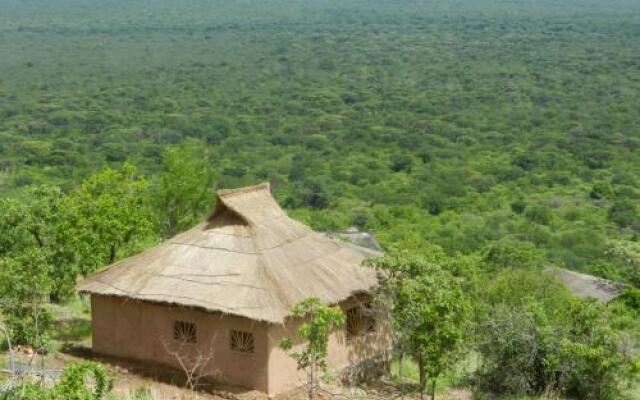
column 321, row 320
column 429, row 311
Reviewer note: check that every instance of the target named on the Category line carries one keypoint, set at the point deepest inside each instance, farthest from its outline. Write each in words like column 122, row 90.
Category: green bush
column 511, row 253
column 535, row 339
column 79, row 381
column 623, row 213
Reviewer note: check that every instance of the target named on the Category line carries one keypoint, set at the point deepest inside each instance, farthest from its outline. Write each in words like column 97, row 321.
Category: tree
column 512, row 253
column 597, row 361
column 29, row 220
column 536, row 339
column 625, row 255
column 623, row 213
column 429, row 309
column 539, row 214
column 7, row 337
column 25, row 285
column 195, row 362
column 76, row 233
column 183, row 188
column 108, row 213
column 320, row 321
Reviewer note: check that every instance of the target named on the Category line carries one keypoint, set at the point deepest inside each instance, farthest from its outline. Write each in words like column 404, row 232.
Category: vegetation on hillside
column 468, row 123
column 481, row 141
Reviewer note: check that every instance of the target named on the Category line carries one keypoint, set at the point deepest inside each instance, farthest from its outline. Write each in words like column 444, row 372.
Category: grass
column 453, row 379
column 72, row 322
column 634, row 392
column 76, row 307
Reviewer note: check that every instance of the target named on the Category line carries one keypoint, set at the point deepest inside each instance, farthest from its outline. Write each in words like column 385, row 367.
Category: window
column 242, row 341
column 360, row 320
column 184, row 331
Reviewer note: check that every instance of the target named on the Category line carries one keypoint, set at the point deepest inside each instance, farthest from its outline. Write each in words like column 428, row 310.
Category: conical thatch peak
column 247, row 258
column 252, row 203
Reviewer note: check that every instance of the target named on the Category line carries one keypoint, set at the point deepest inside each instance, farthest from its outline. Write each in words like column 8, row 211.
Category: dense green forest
column 503, row 133
column 471, row 123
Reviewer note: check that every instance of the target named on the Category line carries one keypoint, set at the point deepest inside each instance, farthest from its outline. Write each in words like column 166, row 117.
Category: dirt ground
column 166, row 384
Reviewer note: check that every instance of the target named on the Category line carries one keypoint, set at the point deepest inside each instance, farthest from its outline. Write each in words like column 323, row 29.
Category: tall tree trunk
column 423, row 377
column 36, row 234
column 12, row 359
column 312, row 379
column 171, row 225
column 433, row 389
column 112, row 254
column 400, row 359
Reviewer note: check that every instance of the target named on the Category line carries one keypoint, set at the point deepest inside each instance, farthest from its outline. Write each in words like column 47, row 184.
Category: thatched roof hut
column 248, row 261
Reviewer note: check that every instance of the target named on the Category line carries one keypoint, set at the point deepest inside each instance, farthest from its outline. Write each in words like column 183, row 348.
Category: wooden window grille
column 360, row 320
column 185, row 332
column 242, row 341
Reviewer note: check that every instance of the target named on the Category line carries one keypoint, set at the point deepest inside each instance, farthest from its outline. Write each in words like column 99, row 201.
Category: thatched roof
column 247, row 258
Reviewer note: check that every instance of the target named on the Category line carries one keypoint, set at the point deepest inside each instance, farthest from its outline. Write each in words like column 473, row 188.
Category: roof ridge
column 274, row 263
column 242, row 190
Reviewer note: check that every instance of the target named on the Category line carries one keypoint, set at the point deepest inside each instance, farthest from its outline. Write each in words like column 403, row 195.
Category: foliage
column 365, row 113
column 631, row 297
column 73, row 385
column 24, row 290
column 103, row 215
column 319, row 322
column 625, row 256
column 503, row 132
column 76, row 233
column 429, row 309
column 548, row 342
column 624, row 213
column 509, row 253
column 27, row 221
column 183, row 188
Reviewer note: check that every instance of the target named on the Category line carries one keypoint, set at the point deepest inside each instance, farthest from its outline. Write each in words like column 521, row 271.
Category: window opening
column 184, row 331
column 242, row 341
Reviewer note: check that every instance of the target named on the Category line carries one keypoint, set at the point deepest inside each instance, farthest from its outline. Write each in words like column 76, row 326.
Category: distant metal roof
column 354, row 236
column 589, row 286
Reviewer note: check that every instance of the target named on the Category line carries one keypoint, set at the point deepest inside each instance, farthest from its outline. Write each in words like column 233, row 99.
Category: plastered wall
column 283, row 374
column 144, row 331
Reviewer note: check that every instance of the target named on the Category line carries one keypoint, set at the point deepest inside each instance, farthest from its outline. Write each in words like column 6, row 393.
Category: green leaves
column 25, row 285
column 48, row 239
column 105, row 218
column 183, row 190
column 510, row 253
column 536, row 338
column 73, row 385
column 318, row 322
column 429, row 309
column 107, row 211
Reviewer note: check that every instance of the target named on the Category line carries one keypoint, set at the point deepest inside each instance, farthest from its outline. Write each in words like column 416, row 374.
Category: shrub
column 539, row 214
column 549, row 343
column 511, row 253
column 623, row 213
column 79, row 381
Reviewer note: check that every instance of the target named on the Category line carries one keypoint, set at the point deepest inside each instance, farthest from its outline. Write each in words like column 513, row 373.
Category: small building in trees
column 220, row 296
column 588, row 286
